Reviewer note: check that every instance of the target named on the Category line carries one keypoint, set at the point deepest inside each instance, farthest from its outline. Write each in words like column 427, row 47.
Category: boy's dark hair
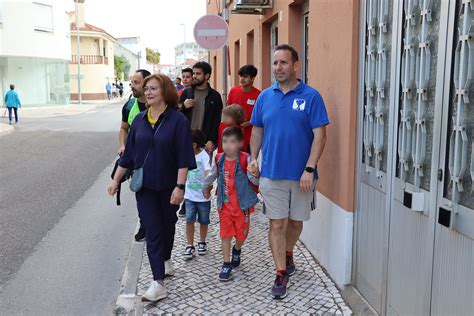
column 12, row 86
column 145, row 73
column 248, row 70
column 236, row 111
column 233, row 131
column 294, row 53
column 187, row 70
column 205, row 67
column 178, row 78
column 198, row 138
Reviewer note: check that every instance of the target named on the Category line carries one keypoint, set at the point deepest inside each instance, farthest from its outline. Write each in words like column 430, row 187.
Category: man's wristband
column 181, row 186
column 310, row 169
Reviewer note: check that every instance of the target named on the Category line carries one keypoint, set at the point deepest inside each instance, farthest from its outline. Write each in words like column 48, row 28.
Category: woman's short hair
column 168, row 90
column 236, row 112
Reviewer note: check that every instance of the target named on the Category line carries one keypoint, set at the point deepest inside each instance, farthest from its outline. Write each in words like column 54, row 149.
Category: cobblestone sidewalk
column 195, row 288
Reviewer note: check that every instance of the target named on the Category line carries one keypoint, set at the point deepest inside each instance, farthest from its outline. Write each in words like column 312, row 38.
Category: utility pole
column 79, row 93
column 225, row 16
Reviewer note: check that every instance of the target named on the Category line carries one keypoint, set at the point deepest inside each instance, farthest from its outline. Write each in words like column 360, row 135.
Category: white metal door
column 376, row 82
column 453, row 271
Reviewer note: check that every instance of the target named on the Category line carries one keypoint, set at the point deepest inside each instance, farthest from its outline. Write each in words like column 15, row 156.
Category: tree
column 122, row 66
column 153, row 56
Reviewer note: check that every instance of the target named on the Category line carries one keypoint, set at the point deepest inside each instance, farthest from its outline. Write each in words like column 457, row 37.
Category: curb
column 128, row 303
column 5, row 129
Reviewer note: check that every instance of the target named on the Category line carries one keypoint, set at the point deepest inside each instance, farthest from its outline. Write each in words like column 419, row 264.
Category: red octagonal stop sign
column 211, row 32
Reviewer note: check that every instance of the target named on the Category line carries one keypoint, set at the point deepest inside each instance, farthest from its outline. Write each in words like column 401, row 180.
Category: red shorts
column 234, row 225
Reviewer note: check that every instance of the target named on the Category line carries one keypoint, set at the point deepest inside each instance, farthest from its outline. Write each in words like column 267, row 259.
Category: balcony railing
column 90, row 60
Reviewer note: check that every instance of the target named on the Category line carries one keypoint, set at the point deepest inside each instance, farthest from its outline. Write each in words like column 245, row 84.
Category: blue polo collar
column 298, row 88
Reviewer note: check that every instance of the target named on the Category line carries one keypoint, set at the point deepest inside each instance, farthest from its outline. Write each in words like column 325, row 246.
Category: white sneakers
column 169, row 269
column 155, row 292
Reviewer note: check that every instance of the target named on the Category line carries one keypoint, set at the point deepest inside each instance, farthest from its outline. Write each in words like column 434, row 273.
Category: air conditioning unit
column 252, row 6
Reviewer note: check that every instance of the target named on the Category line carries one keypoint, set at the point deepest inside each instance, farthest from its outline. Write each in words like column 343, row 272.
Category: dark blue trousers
column 159, row 218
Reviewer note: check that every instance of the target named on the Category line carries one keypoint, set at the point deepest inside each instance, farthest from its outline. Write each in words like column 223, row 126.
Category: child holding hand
column 236, row 197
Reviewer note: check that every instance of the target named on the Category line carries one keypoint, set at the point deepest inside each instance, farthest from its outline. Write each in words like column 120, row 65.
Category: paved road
column 63, row 241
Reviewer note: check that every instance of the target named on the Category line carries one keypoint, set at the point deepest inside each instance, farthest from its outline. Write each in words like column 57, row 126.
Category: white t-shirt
column 193, row 190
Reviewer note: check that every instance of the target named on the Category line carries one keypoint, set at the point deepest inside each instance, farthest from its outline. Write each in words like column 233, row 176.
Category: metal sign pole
column 224, row 56
column 79, row 93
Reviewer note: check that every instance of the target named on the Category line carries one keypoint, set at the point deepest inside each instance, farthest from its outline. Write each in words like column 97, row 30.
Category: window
column 250, row 47
column 43, row 17
column 273, row 45
column 236, row 62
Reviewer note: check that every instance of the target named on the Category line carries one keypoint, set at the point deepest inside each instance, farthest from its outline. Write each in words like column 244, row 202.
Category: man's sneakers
column 290, row 264
column 188, row 253
column 169, row 269
column 281, row 283
column 155, row 292
column 235, row 257
column 140, row 235
column 226, row 272
column 202, row 248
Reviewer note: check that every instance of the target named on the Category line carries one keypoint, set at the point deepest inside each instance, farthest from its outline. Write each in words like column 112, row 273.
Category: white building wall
column 18, row 36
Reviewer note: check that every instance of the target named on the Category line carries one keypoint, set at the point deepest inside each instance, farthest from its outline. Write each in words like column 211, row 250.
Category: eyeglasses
column 151, row 89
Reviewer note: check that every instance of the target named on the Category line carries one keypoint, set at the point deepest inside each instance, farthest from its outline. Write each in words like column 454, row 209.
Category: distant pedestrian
column 179, row 86
column 289, row 125
column 120, row 87
column 12, row 103
column 236, row 197
column 108, row 89
column 114, row 90
column 160, row 144
column 197, row 206
column 232, row 115
column 246, row 95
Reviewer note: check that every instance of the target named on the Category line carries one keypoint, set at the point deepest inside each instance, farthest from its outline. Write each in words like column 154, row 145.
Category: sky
column 156, row 22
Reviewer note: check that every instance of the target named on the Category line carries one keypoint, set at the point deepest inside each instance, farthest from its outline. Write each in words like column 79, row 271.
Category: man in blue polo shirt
column 289, row 122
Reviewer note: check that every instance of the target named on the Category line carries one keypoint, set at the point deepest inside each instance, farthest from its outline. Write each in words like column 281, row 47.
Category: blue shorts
column 200, row 210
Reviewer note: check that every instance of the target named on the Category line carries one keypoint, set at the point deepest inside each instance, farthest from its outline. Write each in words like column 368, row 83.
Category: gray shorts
column 284, row 199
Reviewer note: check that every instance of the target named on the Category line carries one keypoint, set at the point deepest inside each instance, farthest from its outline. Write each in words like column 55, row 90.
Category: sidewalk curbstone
column 128, row 303
column 6, row 129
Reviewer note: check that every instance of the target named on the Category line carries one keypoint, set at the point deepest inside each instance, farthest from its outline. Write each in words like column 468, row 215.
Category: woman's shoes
column 155, row 292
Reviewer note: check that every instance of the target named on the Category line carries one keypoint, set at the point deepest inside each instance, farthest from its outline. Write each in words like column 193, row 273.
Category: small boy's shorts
column 234, row 225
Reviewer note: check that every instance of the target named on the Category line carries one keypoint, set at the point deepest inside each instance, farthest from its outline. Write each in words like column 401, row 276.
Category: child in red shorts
column 236, row 197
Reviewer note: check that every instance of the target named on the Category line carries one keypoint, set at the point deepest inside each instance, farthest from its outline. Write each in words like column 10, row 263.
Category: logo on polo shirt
column 299, row 104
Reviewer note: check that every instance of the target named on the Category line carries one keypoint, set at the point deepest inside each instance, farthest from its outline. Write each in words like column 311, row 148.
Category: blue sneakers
column 280, row 285
column 235, row 257
column 226, row 272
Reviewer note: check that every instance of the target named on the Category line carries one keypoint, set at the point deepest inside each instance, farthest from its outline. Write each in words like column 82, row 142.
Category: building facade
column 35, row 52
column 132, row 57
column 134, row 45
column 96, row 58
column 186, row 53
column 395, row 216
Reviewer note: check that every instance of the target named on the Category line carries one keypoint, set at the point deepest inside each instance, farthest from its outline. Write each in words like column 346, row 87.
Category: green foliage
column 122, row 66
column 153, row 55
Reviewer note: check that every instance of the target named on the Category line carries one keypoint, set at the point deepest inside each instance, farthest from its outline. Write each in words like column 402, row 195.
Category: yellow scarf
column 150, row 119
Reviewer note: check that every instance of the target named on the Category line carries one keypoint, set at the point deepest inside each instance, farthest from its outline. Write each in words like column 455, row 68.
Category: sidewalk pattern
column 195, row 288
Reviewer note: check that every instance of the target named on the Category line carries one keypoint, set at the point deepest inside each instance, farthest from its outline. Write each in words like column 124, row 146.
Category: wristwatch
column 181, row 186
column 309, row 169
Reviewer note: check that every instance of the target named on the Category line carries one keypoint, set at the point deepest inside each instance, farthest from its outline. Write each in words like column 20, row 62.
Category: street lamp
column 79, row 94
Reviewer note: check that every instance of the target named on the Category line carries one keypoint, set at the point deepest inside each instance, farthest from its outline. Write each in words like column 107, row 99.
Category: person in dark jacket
column 160, row 142
column 202, row 105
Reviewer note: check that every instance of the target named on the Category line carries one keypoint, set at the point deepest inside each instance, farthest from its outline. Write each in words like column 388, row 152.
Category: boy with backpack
column 236, row 197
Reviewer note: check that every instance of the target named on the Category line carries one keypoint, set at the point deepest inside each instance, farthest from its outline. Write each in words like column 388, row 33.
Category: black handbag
column 126, row 176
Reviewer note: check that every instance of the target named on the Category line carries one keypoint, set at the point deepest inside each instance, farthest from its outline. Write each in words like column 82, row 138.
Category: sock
column 289, row 253
column 282, row 271
column 227, row 263
column 238, row 251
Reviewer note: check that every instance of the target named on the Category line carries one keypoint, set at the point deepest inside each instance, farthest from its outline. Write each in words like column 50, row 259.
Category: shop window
column 43, row 17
